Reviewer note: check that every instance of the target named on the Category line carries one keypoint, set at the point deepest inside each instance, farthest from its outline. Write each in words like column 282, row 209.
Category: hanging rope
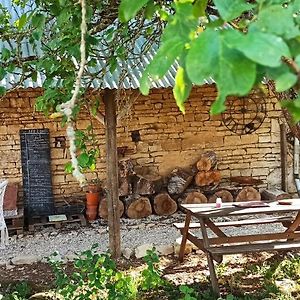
column 67, row 108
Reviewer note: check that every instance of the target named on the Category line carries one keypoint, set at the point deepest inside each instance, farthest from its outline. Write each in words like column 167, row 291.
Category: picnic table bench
column 223, row 244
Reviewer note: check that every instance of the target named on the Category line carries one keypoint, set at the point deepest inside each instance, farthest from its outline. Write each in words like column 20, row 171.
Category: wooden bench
column 224, row 243
column 257, row 247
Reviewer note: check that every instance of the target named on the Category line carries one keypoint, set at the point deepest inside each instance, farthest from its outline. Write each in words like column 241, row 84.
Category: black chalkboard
column 37, row 184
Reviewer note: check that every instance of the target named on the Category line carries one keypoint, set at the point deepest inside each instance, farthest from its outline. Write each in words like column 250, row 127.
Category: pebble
column 127, row 252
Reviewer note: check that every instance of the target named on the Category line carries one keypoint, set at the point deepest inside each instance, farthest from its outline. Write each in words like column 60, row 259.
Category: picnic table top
column 233, row 209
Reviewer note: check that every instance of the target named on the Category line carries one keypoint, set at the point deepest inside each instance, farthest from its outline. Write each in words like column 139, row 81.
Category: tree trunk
column 147, row 185
column 178, row 181
column 225, row 195
column 137, row 207
column 274, row 194
column 103, row 210
column 207, row 178
column 248, row 193
column 112, row 172
column 164, row 205
column 207, row 161
column 194, row 198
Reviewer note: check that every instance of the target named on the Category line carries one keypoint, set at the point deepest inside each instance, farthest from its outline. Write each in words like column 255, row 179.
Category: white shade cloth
column 3, row 228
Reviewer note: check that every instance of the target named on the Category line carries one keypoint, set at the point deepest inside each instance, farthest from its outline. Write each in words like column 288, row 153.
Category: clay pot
column 92, row 202
column 10, row 197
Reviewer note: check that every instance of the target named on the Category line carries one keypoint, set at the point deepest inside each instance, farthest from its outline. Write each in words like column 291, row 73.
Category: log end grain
column 103, row 210
column 164, row 205
column 248, row 193
column 138, row 207
column 194, row 198
column 225, row 195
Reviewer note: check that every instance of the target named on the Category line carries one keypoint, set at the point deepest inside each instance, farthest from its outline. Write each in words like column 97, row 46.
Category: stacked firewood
column 143, row 195
column 208, row 175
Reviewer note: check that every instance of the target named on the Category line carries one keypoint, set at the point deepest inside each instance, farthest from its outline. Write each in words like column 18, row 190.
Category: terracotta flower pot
column 92, row 202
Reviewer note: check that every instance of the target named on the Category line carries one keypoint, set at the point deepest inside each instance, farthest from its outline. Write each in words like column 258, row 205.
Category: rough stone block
column 266, row 138
column 232, row 140
column 25, row 260
column 249, row 139
column 165, row 249
column 141, row 250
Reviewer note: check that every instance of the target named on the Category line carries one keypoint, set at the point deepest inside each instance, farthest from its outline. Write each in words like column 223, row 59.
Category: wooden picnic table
column 222, row 244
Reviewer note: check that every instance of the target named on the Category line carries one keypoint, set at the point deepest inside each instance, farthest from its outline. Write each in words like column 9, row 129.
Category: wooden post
column 112, row 172
column 283, row 157
column 296, row 157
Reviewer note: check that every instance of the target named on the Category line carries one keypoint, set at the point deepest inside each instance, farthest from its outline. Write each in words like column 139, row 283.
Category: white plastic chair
column 3, row 228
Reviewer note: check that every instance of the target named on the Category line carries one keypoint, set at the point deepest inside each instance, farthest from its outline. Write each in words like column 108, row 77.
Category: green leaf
column 210, row 56
column 5, row 54
column 20, row 23
column 236, row 76
column 68, row 168
column 278, row 19
column 83, row 160
column 285, row 81
column 293, row 107
column 297, row 60
column 199, row 9
column 161, row 63
column 182, row 88
column 2, row 90
column 34, row 75
column 2, row 73
column 145, row 84
column 263, row 48
column 38, row 21
column 129, row 8
column 202, row 56
column 230, row 9
column 150, row 10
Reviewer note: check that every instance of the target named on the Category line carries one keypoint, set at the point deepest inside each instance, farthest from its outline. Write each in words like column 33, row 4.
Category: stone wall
column 168, row 139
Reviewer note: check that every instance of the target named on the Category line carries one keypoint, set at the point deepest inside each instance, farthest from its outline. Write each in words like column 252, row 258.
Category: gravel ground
column 74, row 239
column 70, row 240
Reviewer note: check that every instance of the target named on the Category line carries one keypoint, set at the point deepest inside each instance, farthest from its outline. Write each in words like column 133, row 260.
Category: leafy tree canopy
column 237, row 43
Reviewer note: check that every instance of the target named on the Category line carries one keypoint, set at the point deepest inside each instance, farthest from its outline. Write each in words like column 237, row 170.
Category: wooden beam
column 283, row 156
column 112, row 172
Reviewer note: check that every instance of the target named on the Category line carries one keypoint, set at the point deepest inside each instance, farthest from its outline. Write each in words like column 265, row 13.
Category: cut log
column 125, row 168
column 103, row 210
column 194, row 198
column 248, row 193
column 274, row 194
column 125, row 187
column 178, row 181
column 147, row 185
column 246, row 180
column 207, row 178
column 207, row 161
column 225, row 195
column 137, row 207
column 164, row 205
